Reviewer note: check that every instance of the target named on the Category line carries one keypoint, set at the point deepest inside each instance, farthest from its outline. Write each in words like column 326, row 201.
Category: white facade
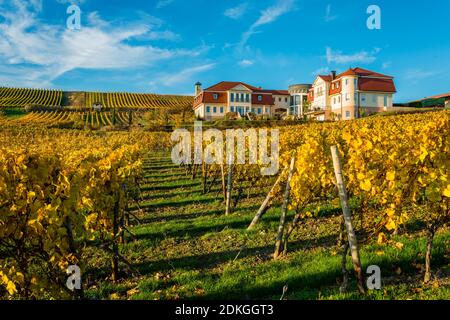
column 321, row 97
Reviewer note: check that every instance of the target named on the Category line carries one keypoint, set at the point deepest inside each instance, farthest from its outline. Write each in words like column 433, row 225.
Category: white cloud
column 328, row 16
column 43, row 52
column 386, row 65
column 267, row 16
column 182, row 76
column 77, row 2
column 164, row 35
column 236, row 12
column 246, row 63
column 163, row 3
column 323, row 70
column 358, row 57
column 418, row 74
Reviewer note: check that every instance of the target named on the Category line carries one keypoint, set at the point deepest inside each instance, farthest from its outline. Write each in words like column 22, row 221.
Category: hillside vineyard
column 17, row 97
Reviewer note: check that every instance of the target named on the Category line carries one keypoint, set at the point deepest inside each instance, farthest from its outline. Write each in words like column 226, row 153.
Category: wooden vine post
column 224, row 188
column 352, row 240
column 284, row 209
column 265, row 204
column 115, row 258
column 229, row 188
column 204, row 176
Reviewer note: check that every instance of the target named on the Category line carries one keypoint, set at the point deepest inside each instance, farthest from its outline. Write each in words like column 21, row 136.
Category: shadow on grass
column 195, row 231
column 171, row 186
column 176, row 203
column 193, row 215
column 211, row 260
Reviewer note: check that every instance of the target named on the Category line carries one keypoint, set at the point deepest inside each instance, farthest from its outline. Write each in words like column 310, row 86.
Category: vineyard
column 12, row 97
column 141, row 227
column 134, row 100
column 15, row 97
column 88, row 119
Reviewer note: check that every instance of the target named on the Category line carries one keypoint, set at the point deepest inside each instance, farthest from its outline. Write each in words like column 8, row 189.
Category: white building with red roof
column 226, row 96
column 352, row 94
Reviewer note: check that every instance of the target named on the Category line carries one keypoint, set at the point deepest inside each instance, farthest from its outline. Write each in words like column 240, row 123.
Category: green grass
column 185, row 247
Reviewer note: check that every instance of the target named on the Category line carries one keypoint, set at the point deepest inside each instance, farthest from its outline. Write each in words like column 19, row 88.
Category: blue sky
column 165, row 46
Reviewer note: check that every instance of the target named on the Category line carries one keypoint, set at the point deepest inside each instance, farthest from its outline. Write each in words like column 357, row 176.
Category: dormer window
column 215, row 96
column 259, row 98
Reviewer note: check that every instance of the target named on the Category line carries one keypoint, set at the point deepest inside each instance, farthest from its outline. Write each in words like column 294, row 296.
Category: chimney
column 198, row 88
column 333, row 75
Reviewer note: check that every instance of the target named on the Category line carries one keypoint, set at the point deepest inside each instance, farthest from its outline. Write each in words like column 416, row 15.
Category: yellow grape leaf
column 11, row 288
column 399, row 245
column 390, row 175
column 390, row 212
column 424, row 154
column 447, row 191
column 366, row 185
column 381, row 238
column 391, row 225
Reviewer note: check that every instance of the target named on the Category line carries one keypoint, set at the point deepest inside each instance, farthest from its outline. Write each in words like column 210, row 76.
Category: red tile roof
column 325, row 78
column 374, row 84
column 208, row 97
column 439, row 96
column 228, row 85
column 267, row 99
column 361, row 73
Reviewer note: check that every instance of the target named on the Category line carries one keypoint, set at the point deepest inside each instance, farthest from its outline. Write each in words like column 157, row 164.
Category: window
column 215, row 96
column 285, row 99
column 214, row 109
column 232, row 97
column 247, row 97
column 339, row 99
column 279, row 99
column 247, row 109
column 347, row 114
column 337, row 85
column 355, row 97
column 374, row 99
column 259, row 110
column 363, row 97
column 267, row 110
column 260, row 98
column 346, row 82
column 232, row 109
column 347, row 96
column 208, row 109
column 221, row 109
column 385, row 100
column 237, row 97
column 253, row 110
column 356, row 82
